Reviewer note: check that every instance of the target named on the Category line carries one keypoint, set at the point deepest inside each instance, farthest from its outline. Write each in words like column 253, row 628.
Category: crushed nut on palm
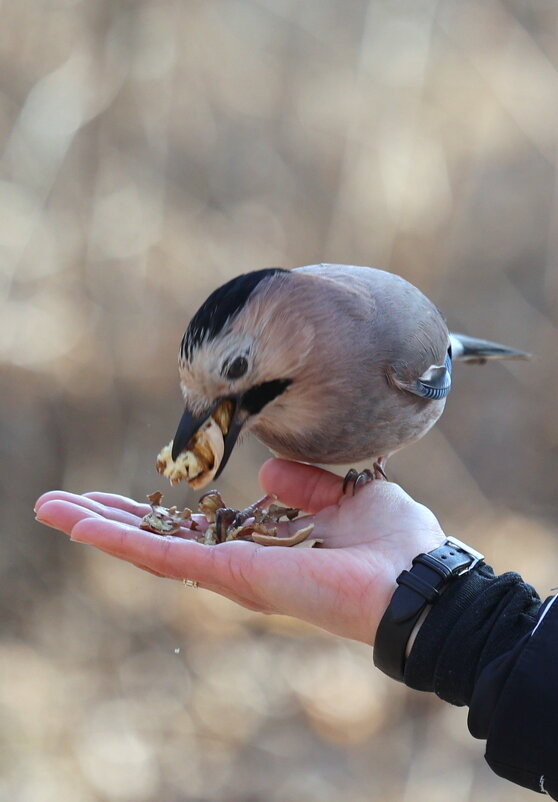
column 164, row 520
column 225, row 523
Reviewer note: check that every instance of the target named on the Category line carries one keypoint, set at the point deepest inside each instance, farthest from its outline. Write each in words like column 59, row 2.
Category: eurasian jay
column 326, row 364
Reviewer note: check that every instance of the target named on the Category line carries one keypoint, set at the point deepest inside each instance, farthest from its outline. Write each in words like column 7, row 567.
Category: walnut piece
column 209, row 503
column 199, row 464
column 253, row 523
column 163, row 520
column 269, row 538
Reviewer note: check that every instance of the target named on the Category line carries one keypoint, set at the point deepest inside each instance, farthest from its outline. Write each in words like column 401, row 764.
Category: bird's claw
column 350, row 477
column 379, row 472
column 359, row 479
column 363, row 478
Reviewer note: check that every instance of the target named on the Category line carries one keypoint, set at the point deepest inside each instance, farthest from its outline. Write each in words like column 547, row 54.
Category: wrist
column 418, row 589
column 399, row 559
column 479, row 617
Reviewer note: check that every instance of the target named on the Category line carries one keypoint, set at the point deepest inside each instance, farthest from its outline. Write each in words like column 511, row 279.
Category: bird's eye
column 237, row 368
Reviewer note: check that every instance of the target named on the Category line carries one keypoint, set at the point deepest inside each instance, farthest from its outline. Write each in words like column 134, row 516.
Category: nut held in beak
column 199, row 464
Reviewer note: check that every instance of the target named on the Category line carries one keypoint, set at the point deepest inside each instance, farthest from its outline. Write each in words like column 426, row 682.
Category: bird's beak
column 236, row 423
column 189, row 425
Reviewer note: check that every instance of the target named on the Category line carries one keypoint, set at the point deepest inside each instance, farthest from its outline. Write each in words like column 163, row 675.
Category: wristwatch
column 421, row 586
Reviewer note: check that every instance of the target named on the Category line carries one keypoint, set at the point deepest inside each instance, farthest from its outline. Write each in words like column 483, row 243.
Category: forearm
column 489, row 643
column 479, row 617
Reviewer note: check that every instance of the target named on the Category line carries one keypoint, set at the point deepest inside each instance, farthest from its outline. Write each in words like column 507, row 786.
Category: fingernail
column 43, row 520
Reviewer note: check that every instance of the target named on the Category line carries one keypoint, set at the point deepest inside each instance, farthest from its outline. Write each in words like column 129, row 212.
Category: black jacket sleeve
column 515, row 707
column 490, row 644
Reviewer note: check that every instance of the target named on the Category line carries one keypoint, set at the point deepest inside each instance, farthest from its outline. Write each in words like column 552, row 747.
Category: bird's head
column 240, row 347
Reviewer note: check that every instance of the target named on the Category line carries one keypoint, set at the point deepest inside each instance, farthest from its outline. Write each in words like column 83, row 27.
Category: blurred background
column 149, row 152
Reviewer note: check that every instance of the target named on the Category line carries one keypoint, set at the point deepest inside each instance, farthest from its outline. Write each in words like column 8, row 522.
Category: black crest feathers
column 221, row 307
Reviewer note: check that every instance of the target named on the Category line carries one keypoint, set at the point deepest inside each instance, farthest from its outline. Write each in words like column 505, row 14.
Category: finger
column 52, row 495
column 111, row 501
column 223, row 576
column 303, row 486
column 63, row 515
column 169, row 556
column 146, row 568
column 138, row 565
column 120, row 502
column 221, row 590
column 215, row 588
column 88, row 503
column 65, row 507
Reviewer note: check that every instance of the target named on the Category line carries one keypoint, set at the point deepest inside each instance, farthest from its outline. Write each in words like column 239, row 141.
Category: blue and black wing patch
column 435, row 383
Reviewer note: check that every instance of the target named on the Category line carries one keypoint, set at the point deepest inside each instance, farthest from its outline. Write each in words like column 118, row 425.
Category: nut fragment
column 209, row 503
column 162, row 520
column 223, row 415
column 276, row 512
column 199, row 464
column 270, row 539
column 253, row 523
column 210, row 536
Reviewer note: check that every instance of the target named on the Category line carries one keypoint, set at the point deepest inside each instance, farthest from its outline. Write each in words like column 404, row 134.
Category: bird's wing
column 433, row 384
column 405, row 332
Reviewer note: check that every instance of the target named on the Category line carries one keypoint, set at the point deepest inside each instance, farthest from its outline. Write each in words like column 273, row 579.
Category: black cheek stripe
column 257, row 397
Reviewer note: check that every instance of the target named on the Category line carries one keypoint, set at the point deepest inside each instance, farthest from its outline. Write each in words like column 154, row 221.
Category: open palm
column 343, row 587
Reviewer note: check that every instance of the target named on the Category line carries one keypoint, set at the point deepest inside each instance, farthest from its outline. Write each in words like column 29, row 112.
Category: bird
column 325, row 364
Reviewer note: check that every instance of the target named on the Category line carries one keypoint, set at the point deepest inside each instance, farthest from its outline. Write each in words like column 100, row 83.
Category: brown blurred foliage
column 150, row 151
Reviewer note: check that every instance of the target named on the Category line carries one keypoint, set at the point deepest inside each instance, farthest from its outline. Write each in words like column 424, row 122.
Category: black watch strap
column 419, row 587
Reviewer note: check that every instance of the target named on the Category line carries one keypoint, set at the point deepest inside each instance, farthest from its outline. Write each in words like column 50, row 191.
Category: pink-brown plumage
column 339, row 363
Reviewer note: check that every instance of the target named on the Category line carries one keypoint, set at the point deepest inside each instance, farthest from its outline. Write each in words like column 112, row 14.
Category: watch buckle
column 476, row 555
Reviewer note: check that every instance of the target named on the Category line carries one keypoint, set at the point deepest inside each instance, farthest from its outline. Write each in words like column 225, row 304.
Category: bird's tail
column 471, row 349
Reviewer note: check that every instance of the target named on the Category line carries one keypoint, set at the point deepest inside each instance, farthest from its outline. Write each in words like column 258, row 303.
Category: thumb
column 298, row 485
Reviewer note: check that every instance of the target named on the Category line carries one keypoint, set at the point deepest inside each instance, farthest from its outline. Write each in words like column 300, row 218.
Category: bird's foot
column 356, row 479
column 379, row 472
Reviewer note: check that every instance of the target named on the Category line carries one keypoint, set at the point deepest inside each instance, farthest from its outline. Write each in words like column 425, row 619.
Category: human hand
column 343, row 587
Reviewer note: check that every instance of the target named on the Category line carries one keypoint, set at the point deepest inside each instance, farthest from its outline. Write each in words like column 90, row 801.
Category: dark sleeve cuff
column 478, row 618
column 515, row 707
column 490, row 644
